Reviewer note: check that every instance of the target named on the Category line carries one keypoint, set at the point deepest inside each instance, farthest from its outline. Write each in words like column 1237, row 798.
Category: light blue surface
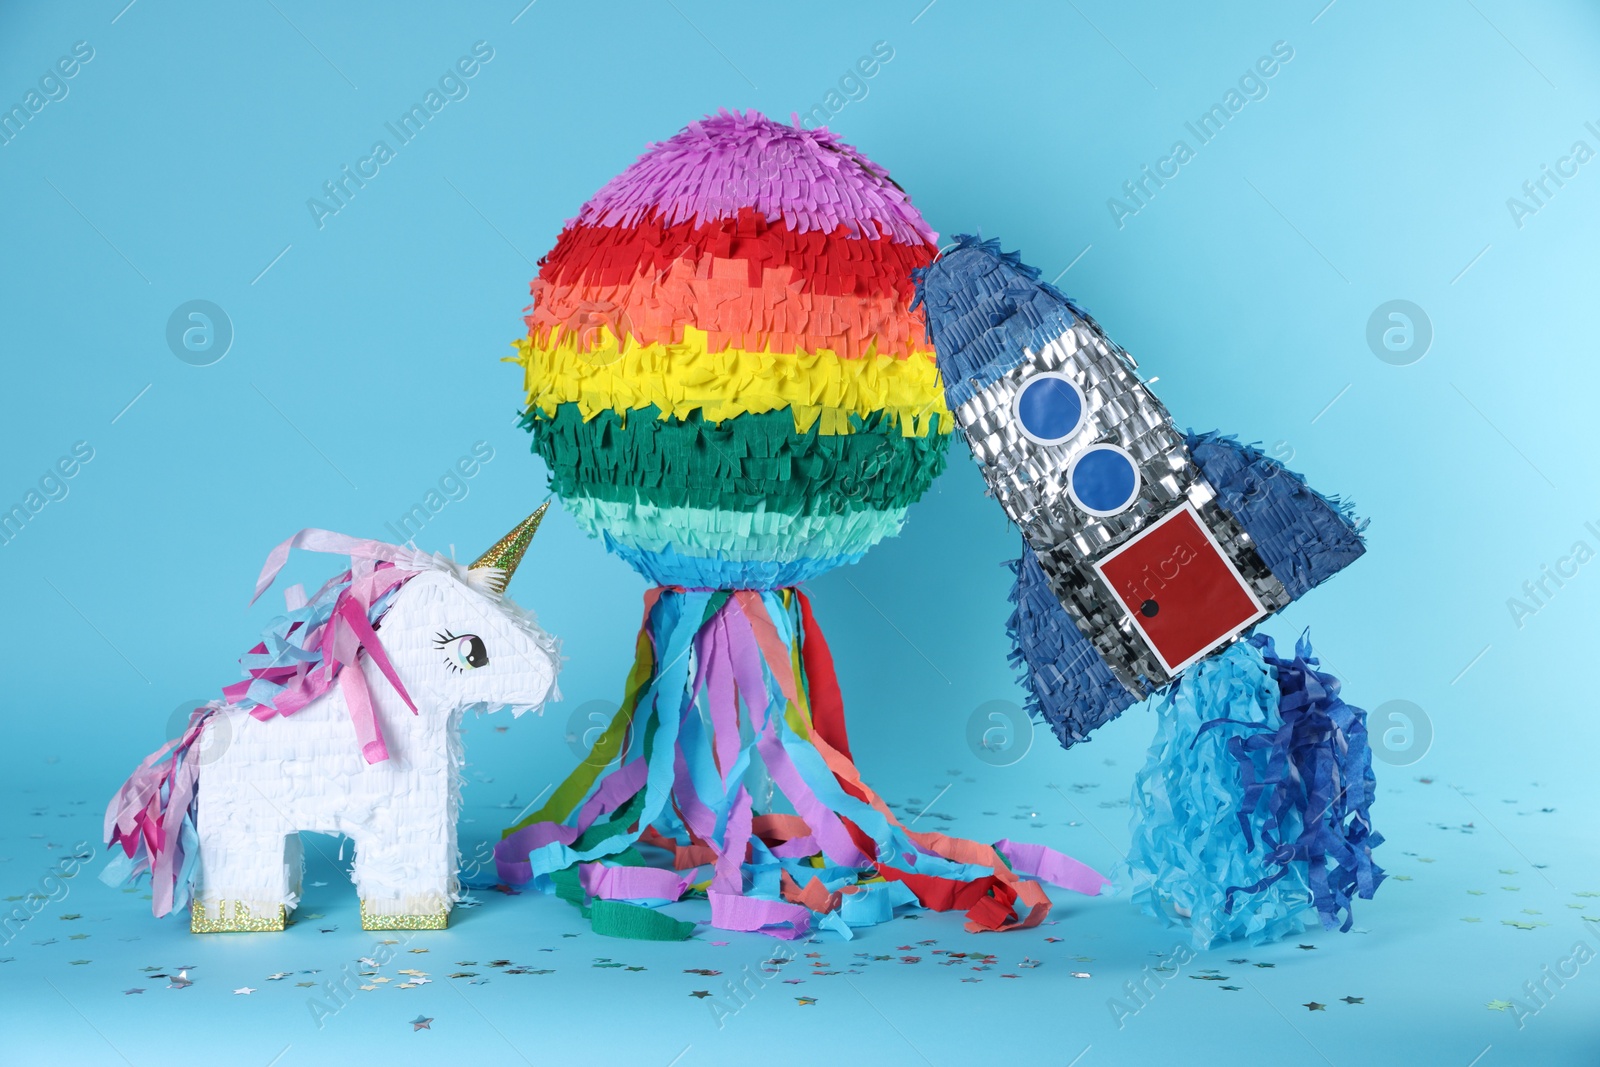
column 1377, row 166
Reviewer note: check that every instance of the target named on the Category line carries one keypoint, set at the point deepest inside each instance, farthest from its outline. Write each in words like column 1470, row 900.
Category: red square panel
column 1182, row 593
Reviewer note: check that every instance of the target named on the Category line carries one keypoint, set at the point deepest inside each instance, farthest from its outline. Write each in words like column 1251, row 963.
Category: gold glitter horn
column 508, row 551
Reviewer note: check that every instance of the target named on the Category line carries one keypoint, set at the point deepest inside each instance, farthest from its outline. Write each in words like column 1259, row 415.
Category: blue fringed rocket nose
column 984, row 308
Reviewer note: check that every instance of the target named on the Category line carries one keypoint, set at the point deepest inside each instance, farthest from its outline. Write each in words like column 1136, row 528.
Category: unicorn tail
column 152, row 818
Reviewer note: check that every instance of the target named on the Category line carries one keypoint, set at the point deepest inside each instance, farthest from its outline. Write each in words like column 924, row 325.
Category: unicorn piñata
column 338, row 730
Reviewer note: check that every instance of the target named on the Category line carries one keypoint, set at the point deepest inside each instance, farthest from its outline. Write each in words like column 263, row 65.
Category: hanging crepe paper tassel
column 733, row 690
column 1252, row 810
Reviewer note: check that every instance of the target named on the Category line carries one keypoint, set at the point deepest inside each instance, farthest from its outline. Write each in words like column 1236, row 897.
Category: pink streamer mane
column 336, row 643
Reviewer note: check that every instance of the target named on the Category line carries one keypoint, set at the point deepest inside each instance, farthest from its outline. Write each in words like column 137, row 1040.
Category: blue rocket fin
column 1303, row 537
column 1068, row 684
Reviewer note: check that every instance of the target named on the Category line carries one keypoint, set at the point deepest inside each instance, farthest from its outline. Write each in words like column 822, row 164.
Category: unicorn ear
column 501, row 560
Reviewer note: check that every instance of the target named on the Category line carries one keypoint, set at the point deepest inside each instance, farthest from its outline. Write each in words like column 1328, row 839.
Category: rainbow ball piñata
column 722, row 369
column 726, row 380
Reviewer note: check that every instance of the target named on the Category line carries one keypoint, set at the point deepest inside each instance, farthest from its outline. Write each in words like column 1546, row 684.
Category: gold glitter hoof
column 436, row 921
column 234, row 917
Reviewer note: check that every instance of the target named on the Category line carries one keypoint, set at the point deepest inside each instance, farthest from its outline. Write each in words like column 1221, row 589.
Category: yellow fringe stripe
column 821, row 388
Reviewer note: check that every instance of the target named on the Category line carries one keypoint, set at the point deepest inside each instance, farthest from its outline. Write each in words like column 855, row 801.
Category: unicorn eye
column 462, row 652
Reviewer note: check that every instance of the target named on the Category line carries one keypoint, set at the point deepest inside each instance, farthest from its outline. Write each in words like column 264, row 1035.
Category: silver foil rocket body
column 1031, row 481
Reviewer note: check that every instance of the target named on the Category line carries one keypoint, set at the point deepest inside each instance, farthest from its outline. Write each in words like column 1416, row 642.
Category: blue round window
column 1049, row 408
column 1104, row 480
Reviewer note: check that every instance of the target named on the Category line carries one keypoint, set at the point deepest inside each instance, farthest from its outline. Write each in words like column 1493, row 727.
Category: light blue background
column 365, row 362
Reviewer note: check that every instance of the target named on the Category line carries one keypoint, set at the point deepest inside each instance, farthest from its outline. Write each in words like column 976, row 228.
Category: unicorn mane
column 296, row 659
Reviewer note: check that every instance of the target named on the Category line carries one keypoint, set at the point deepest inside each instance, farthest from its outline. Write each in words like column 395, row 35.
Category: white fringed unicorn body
column 400, row 648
